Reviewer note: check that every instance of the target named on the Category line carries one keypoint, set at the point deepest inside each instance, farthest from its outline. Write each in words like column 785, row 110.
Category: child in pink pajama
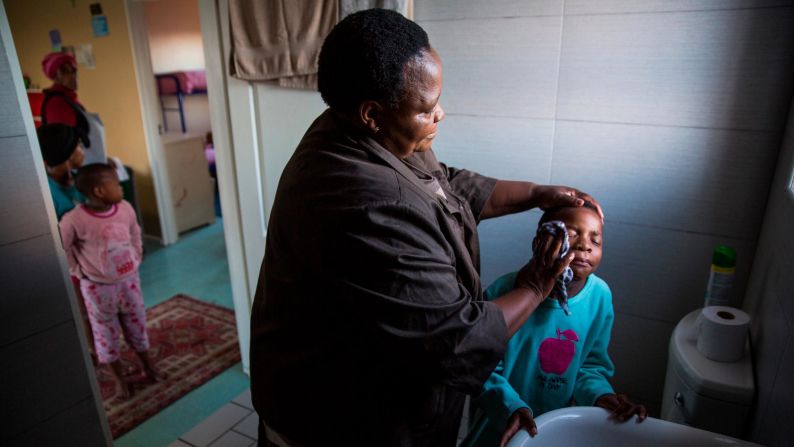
column 103, row 246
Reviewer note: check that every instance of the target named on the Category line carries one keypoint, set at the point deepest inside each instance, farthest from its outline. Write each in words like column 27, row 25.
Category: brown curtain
column 279, row 40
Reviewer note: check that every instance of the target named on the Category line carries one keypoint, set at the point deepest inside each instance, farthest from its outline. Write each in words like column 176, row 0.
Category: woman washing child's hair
column 368, row 326
column 103, row 246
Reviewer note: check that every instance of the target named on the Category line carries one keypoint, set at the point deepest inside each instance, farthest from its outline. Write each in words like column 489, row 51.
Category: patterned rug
column 191, row 341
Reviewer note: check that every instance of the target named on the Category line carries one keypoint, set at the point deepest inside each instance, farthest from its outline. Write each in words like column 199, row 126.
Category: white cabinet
column 192, row 188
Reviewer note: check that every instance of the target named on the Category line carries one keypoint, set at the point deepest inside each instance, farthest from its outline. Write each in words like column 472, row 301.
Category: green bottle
column 719, row 291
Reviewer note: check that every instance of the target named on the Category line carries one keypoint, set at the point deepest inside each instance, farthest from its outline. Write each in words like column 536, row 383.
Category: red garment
column 58, row 110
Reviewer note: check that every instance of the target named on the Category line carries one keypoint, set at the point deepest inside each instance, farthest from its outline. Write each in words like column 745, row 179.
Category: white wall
column 669, row 112
column 176, row 44
column 174, row 35
column 770, row 299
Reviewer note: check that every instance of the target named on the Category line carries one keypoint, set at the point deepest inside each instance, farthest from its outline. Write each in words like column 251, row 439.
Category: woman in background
column 60, row 148
column 60, row 105
column 63, row 154
column 60, row 100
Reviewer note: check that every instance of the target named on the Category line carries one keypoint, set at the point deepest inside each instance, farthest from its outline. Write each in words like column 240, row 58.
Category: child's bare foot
column 123, row 387
column 148, row 366
column 125, row 390
column 155, row 374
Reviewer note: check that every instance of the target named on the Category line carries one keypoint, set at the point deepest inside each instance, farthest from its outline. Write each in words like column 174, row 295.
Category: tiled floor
column 197, row 266
column 233, row 425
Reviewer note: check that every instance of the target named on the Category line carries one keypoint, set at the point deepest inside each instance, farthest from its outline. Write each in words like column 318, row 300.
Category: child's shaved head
column 553, row 213
column 91, row 176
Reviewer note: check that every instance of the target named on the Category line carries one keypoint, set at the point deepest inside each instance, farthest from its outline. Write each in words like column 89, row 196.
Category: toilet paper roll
column 722, row 333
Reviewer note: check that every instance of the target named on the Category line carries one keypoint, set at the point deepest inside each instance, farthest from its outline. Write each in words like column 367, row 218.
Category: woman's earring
column 377, row 129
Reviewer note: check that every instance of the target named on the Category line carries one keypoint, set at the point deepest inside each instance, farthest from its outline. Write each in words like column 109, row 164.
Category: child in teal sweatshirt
column 555, row 360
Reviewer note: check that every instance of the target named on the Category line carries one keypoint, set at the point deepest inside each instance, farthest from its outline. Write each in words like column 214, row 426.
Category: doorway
column 193, row 258
column 185, row 251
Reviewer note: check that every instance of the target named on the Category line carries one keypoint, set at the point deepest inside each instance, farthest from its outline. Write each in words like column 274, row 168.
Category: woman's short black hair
column 57, row 142
column 364, row 56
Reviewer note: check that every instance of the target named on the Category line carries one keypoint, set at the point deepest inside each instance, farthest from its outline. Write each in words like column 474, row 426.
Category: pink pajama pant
column 113, row 308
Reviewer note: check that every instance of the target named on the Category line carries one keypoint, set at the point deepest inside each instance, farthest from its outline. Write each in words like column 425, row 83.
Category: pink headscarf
column 53, row 61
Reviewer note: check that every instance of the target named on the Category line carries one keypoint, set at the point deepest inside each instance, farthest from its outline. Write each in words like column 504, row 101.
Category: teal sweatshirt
column 64, row 197
column 553, row 361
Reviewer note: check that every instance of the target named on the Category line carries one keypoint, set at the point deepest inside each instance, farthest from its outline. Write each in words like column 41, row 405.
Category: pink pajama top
column 103, row 247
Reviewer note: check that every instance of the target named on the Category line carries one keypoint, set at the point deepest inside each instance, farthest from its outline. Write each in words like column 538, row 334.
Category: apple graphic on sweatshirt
column 556, row 354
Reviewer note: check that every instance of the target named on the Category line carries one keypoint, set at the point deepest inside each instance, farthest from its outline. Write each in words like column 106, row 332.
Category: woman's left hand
column 621, row 407
column 552, row 196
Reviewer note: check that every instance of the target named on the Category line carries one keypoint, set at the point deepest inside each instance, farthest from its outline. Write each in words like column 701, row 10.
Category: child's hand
column 522, row 418
column 621, row 407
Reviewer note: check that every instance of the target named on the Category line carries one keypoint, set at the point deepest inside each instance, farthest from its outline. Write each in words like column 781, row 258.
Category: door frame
column 150, row 115
column 222, row 140
column 210, row 16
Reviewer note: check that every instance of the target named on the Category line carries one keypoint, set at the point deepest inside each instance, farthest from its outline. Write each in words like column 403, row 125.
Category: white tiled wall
column 525, row 142
column 713, row 69
column 428, row 10
column 659, row 274
column 479, row 80
column 644, row 6
column 770, row 300
column 670, row 112
column 701, row 180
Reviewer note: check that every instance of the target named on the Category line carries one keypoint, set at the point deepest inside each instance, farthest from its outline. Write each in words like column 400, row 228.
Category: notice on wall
column 84, row 54
column 55, row 40
column 99, row 23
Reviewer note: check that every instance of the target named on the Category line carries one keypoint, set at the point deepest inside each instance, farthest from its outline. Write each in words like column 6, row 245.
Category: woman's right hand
column 533, row 282
column 521, row 418
column 545, row 266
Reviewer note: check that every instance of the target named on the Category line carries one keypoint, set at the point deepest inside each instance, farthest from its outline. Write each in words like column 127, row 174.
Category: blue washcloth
column 560, row 290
